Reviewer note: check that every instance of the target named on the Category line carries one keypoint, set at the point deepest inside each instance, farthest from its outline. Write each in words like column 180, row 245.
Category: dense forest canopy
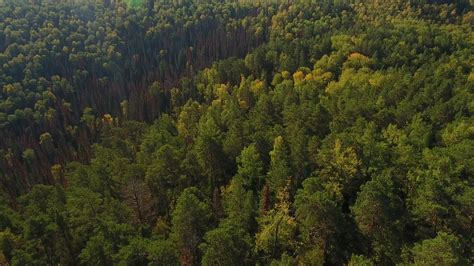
column 189, row 132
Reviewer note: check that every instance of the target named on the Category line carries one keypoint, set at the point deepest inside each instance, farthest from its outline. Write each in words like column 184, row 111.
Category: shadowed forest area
column 220, row 132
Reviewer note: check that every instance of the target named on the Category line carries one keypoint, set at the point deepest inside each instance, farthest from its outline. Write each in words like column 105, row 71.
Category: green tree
column 163, row 176
column 340, row 169
column 279, row 171
column 46, row 224
column 444, row 249
column 209, row 153
column 277, row 229
column 250, row 167
column 378, row 213
column 321, row 222
column 227, row 244
column 190, row 220
column 239, row 205
column 142, row 251
column 359, row 260
column 231, row 241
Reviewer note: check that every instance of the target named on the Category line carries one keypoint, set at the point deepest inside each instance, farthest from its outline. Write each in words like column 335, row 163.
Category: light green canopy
column 134, row 3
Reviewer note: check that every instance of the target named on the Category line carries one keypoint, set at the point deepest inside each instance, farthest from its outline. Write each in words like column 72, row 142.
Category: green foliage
column 250, row 167
column 133, row 3
column 190, row 220
column 277, row 228
column 236, row 132
column 321, row 223
column 358, row 260
column 441, row 250
column 227, row 244
column 378, row 214
column 239, row 204
column 279, row 172
column 140, row 251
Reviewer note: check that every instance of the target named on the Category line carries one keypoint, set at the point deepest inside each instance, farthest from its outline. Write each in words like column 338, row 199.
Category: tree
column 97, row 251
column 279, row 165
column 227, row 244
column 209, row 153
column 444, row 249
column 141, row 251
column 138, row 196
column 9, row 243
column 101, row 248
column 163, row 176
column 104, row 173
column 190, row 220
column 378, row 212
column 188, row 121
column 46, row 224
column 250, row 167
column 321, row 223
column 359, row 260
column 239, row 206
column 340, row 169
column 47, row 144
column 10, row 232
column 277, row 229
column 231, row 242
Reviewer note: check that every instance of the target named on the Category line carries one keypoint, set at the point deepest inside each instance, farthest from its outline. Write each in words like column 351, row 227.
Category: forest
column 236, row 132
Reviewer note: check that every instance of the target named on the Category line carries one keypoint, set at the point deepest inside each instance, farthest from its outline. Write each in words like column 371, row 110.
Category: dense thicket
column 62, row 65
column 237, row 133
